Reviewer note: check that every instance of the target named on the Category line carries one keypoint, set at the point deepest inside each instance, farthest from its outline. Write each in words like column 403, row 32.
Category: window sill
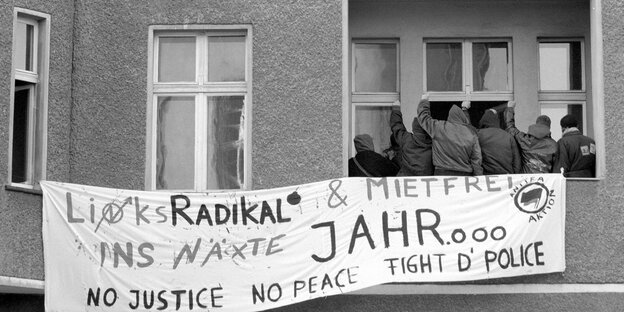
column 22, row 189
column 585, row 179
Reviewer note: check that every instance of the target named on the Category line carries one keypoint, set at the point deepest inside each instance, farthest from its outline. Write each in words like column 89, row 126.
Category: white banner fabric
column 123, row 250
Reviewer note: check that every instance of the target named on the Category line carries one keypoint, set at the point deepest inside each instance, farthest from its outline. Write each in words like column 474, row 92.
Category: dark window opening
column 439, row 110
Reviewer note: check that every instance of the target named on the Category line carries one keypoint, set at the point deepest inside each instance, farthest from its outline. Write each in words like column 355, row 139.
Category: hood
column 363, row 142
column 456, row 115
column 419, row 133
column 489, row 120
column 539, row 131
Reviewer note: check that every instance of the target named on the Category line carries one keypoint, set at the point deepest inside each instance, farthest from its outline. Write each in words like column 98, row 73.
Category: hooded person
column 415, row 147
column 576, row 155
column 455, row 146
column 537, row 148
column 499, row 150
column 366, row 162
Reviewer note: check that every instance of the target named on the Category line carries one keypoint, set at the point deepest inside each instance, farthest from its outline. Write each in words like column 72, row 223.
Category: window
column 375, row 86
column 562, row 81
column 468, row 69
column 199, row 108
column 27, row 131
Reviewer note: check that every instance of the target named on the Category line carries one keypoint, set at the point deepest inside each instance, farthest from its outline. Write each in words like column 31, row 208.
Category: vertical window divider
column 201, row 152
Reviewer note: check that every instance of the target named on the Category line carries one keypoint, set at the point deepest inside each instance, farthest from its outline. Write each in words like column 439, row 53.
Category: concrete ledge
column 435, row 289
column 14, row 285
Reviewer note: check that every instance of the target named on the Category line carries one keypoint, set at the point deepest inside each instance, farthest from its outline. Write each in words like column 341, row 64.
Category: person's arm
column 424, row 115
column 561, row 159
column 510, row 122
column 397, row 126
column 465, row 107
column 475, row 158
column 516, row 159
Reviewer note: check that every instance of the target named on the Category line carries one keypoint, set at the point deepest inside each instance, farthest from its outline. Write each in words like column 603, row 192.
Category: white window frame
column 572, row 95
column 468, row 93
column 555, row 123
column 372, row 99
column 200, row 89
column 38, row 100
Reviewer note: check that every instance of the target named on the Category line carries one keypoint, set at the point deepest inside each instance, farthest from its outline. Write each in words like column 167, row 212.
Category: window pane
column 444, row 67
column 175, row 143
column 375, row 67
column 226, row 138
column 176, row 59
column 556, row 111
column 19, row 166
column 24, row 46
column 226, row 58
column 489, row 66
column 374, row 122
column 561, row 66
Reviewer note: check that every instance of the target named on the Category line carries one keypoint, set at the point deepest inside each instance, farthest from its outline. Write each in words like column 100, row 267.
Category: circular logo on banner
column 532, row 198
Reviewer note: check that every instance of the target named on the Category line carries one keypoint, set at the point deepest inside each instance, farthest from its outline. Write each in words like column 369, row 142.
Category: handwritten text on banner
column 111, row 249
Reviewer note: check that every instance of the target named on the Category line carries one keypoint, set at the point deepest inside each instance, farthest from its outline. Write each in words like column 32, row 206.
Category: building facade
column 271, row 93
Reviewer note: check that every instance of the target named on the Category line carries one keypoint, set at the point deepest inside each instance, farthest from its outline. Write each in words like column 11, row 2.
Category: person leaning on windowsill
column 415, row 147
column 456, row 149
column 577, row 152
column 366, row 162
column 537, row 148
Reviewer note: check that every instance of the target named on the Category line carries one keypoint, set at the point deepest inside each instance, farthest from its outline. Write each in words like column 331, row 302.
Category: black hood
column 489, row 120
column 456, row 115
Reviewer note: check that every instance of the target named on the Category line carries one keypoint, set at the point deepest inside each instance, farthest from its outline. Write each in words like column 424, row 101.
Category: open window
column 28, row 123
column 478, row 70
column 199, row 108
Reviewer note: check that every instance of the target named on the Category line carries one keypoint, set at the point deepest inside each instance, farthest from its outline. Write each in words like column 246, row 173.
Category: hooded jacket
column 537, row 148
column 499, row 150
column 577, row 155
column 415, row 147
column 367, row 163
column 455, row 143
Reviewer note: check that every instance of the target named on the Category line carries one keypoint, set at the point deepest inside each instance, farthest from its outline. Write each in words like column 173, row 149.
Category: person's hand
column 425, row 96
column 396, row 103
column 466, row 105
column 511, row 104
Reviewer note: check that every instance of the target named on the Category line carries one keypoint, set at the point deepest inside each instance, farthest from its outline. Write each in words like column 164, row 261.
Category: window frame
column 572, row 95
column 468, row 92
column 372, row 99
column 201, row 89
column 555, row 123
column 37, row 81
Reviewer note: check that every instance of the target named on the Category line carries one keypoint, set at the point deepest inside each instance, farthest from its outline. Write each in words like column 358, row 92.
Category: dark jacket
column 415, row 147
column 499, row 150
column 577, row 155
column 367, row 163
column 537, row 148
column 371, row 164
column 455, row 144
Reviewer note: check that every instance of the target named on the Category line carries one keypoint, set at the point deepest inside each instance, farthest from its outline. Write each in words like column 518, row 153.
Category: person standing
column 366, row 162
column 537, row 148
column 499, row 150
column 415, row 147
column 576, row 155
column 455, row 145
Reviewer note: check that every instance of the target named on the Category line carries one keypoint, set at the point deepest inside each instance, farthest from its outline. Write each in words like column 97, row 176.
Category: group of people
column 455, row 147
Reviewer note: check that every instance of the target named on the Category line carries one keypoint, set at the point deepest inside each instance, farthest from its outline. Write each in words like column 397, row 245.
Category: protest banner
column 123, row 250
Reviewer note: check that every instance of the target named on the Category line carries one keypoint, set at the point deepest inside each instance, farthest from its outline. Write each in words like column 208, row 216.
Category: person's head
column 363, row 142
column 543, row 120
column 568, row 121
column 541, row 128
column 489, row 119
